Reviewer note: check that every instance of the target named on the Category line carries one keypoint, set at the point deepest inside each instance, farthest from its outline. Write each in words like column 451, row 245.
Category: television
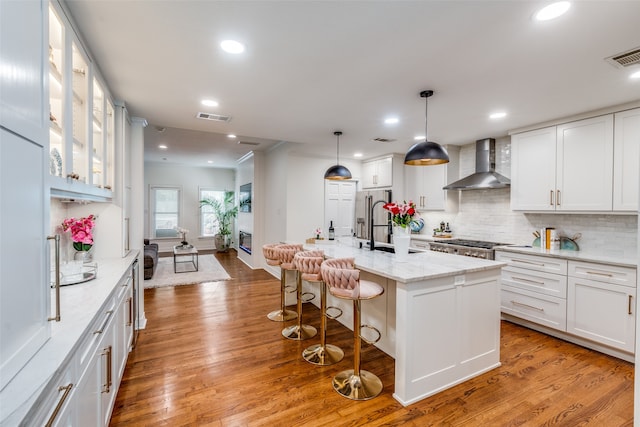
column 245, row 198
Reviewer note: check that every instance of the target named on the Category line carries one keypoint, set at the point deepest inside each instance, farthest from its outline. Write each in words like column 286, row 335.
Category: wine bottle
column 332, row 232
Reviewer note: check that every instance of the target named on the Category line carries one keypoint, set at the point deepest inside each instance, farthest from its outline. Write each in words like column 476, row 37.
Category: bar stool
column 286, row 254
column 281, row 315
column 344, row 282
column 308, row 265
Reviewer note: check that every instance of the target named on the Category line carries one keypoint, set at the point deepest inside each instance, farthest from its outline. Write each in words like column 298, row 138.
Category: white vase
column 401, row 240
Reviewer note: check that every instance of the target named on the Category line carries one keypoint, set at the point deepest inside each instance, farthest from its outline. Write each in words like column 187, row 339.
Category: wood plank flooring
column 210, row 357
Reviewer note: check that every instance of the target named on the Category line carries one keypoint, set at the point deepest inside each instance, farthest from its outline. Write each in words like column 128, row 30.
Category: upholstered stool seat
column 272, row 258
column 286, row 255
column 343, row 281
column 308, row 265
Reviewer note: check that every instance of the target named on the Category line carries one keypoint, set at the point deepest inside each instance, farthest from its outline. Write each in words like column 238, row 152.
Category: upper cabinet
column 377, row 173
column 564, row 168
column 626, row 152
column 423, row 184
column 81, row 118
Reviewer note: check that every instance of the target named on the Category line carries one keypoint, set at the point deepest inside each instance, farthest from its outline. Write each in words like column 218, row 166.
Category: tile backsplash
column 487, row 215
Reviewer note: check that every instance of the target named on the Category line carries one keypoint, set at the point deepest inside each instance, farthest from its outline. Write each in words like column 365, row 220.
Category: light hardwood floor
column 210, row 357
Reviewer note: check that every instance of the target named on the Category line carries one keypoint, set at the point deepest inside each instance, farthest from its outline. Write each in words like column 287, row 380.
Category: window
column 165, row 211
column 208, row 223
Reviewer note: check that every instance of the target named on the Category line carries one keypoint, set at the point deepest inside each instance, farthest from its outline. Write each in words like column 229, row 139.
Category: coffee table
column 185, row 255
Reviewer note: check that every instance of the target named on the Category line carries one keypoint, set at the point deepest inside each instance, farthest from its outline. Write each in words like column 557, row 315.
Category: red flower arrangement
column 80, row 230
column 402, row 213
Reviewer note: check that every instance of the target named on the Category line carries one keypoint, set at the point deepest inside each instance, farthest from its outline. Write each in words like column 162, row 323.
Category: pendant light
column 337, row 171
column 426, row 153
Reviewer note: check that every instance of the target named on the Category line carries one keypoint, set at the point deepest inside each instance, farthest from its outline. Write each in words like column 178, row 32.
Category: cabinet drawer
column 542, row 309
column 535, row 281
column 624, row 276
column 419, row 244
column 533, row 262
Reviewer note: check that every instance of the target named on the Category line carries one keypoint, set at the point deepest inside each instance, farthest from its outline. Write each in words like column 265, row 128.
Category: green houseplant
column 224, row 212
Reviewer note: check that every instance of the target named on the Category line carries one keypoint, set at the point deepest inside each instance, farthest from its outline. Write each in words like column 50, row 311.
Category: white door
column 339, row 207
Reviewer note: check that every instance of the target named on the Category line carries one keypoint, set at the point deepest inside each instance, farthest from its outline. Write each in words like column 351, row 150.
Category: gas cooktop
column 470, row 243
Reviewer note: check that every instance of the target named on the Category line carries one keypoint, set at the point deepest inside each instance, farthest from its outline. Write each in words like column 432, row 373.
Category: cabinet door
column 368, row 174
column 384, row 172
column 434, row 178
column 24, row 294
column 414, row 185
column 585, row 165
column 89, row 391
column 626, row 160
column 533, row 165
column 24, row 101
column 602, row 312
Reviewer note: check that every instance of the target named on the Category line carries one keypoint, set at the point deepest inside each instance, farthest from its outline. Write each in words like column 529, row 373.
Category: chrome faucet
column 388, row 224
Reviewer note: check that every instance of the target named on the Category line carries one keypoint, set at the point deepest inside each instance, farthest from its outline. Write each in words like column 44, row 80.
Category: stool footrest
column 305, row 296
column 290, row 289
column 333, row 316
column 370, row 342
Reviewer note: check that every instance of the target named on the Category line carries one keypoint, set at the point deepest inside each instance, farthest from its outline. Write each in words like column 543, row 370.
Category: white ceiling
column 312, row 67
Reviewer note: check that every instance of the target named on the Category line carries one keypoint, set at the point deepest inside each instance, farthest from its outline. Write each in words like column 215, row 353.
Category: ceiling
column 313, row 67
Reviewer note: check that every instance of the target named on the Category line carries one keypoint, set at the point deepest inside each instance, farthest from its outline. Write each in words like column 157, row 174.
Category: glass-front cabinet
column 81, row 115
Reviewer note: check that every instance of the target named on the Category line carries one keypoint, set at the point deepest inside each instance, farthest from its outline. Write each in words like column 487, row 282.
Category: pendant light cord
column 426, row 117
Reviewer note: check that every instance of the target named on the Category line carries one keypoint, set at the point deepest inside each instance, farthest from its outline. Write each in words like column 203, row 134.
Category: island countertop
column 419, row 266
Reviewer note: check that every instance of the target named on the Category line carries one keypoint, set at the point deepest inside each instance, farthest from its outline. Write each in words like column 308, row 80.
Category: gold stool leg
column 357, row 384
column 299, row 332
column 283, row 314
column 323, row 354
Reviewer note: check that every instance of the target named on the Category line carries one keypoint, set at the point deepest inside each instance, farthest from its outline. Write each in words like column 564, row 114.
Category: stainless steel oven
column 472, row 248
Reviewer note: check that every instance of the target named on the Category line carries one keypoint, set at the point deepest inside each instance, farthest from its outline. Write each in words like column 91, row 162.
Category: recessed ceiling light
column 231, row 135
column 357, row 154
column 635, row 75
column 209, row 102
column 162, row 147
column 232, row 46
column 391, row 120
column 419, row 137
column 552, row 11
column 497, row 115
column 209, row 161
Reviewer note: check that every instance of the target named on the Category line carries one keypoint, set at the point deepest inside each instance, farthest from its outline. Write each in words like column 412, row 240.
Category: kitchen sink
column 392, row 250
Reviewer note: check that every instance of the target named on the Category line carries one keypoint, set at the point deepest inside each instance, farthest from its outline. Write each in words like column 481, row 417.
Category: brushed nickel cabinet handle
column 104, row 325
column 629, row 311
column 527, row 306
column 130, row 319
column 106, row 387
column 550, row 197
column 557, row 197
column 597, row 273
column 522, row 279
column 67, row 389
column 56, row 239
column 527, row 262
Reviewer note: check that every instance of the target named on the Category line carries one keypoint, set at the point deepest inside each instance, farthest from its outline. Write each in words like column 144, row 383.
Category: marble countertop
column 80, row 304
column 619, row 258
column 418, row 267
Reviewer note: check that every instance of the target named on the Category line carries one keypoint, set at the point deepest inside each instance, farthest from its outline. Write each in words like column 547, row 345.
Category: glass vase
column 84, row 256
column 401, row 241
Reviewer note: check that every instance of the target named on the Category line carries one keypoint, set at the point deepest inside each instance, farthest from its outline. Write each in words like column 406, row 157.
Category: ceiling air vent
column 248, row 143
column 214, row 117
column 625, row 59
column 383, row 140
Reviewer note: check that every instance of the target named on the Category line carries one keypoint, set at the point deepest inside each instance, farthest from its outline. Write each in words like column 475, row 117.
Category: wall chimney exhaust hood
column 485, row 176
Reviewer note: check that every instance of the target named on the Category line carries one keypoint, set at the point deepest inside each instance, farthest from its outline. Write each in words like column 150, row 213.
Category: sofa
column 150, row 258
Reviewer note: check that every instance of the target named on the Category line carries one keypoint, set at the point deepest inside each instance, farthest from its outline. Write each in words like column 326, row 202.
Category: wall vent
column 214, row 117
column 383, row 140
column 248, row 143
column 625, row 59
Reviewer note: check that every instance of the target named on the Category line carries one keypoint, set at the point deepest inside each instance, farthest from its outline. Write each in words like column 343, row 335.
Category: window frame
column 153, row 210
column 201, row 212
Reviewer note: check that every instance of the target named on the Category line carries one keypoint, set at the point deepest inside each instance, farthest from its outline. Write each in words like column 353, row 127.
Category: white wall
column 189, row 179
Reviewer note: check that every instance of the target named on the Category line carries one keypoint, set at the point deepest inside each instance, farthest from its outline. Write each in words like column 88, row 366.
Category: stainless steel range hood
column 485, row 175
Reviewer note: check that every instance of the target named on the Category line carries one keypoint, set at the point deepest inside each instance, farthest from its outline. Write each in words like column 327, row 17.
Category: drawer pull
column 526, row 305
column 630, row 298
column 106, row 387
column 598, row 273
column 524, row 261
column 54, row 414
column 104, row 325
column 550, row 197
column 522, row 279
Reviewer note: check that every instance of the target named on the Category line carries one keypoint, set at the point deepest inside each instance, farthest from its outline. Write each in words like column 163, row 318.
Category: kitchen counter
column 439, row 316
column 621, row 258
column 80, row 304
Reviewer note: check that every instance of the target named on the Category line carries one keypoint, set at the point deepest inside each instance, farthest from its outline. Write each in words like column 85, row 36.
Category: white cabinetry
column 564, row 168
column 424, row 184
column 534, row 288
column 377, row 173
column 626, row 160
column 24, row 294
column 602, row 304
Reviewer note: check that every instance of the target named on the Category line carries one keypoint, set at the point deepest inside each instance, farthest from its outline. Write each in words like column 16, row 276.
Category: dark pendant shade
column 337, row 171
column 426, row 153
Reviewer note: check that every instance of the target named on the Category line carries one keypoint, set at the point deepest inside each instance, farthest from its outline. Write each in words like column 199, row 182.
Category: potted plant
column 224, row 212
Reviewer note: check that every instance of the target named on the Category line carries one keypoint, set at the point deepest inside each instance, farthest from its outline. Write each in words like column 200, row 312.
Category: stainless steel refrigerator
column 380, row 217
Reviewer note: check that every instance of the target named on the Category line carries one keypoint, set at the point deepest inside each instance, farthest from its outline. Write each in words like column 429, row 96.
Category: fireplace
column 244, row 241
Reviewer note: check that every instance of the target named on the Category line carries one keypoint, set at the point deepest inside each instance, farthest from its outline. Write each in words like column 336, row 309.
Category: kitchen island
column 439, row 318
